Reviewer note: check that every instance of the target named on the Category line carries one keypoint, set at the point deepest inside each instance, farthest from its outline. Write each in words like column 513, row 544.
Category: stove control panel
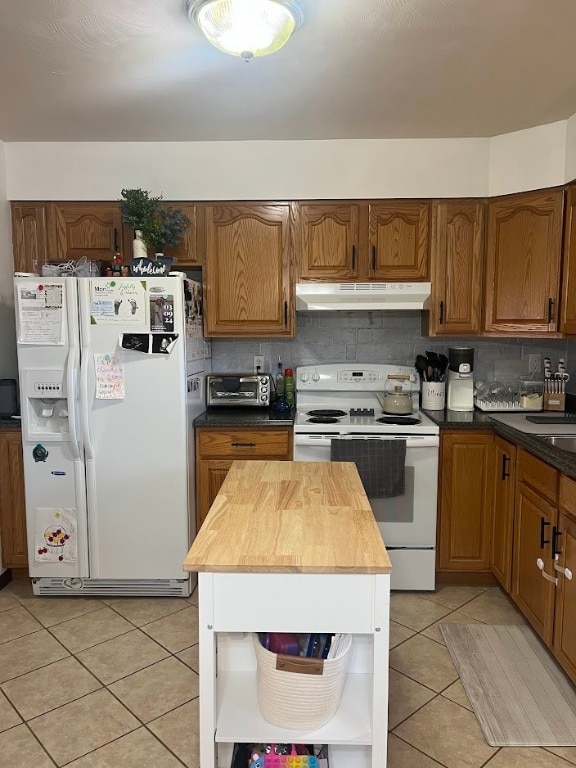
column 357, row 377
column 348, row 377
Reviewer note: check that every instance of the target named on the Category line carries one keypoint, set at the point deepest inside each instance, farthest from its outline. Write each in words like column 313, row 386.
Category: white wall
column 8, row 366
column 570, row 165
column 250, row 170
column 528, row 159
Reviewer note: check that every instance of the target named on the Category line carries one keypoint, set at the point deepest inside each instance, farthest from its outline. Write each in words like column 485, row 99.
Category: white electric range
column 338, row 401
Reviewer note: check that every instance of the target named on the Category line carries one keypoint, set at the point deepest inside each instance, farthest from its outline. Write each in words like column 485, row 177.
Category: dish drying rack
column 518, row 395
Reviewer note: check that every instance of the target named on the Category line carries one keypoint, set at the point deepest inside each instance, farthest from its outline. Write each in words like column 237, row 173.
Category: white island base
column 234, row 605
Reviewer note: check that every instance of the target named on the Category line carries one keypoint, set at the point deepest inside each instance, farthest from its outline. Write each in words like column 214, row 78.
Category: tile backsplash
column 384, row 337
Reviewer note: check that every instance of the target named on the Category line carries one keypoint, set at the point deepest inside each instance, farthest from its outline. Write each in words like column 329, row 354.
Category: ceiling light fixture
column 246, row 28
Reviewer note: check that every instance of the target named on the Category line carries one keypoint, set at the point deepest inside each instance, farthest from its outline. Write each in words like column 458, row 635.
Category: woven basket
column 304, row 699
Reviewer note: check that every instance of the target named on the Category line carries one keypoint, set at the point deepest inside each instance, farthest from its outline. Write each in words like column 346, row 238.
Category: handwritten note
column 40, row 313
column 109, row 377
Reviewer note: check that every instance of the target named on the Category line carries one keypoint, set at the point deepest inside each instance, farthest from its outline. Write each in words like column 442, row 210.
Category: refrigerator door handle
column 84, row 403
column 73, row 402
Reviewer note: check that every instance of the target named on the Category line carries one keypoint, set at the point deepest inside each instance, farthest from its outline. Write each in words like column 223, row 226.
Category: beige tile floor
column 114, row 684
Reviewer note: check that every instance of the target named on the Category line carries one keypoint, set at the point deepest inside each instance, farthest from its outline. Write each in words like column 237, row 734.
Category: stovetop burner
column 322, row 420
column 326, row 412
column 399, row 420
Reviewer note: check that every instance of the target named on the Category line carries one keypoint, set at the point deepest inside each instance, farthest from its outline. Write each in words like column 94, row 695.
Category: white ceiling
column 138, row 70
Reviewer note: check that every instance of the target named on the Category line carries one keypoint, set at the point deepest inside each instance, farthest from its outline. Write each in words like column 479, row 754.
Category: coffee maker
column 460, row 379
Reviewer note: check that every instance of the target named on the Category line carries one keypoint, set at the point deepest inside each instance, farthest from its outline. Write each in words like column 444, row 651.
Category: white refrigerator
column 112, row 375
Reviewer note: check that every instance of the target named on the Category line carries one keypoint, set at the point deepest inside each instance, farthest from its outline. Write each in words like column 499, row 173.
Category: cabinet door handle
column 551, row 310
column 505, row 460
column 441, row 318
column 540, row 565
column 285, row 313
column 242, row 445
column 353, row 257
column 115, row 240
column 373, row 258
column 543, row 525
column 555, row 535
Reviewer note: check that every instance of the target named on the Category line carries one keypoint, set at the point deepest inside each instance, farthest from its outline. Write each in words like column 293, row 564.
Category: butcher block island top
column 290, row 517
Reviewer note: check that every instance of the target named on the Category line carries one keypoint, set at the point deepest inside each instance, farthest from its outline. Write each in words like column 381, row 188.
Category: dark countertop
column 7, row 424
column 461, row 419
column 565, row 461
column 244, row 417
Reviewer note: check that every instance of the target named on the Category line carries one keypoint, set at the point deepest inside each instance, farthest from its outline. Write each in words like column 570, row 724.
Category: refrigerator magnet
column 39, row 453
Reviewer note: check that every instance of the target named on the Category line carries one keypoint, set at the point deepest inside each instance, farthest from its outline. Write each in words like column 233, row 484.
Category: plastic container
column 289, row 386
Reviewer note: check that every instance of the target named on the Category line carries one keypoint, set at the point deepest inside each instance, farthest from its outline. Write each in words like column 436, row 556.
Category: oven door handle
column 429, row 441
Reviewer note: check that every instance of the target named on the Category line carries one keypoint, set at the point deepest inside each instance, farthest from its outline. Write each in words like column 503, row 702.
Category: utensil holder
column 433, row 395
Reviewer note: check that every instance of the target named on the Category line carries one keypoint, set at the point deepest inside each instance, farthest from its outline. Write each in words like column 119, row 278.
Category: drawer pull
column 540, row 564
column 243, row 445
column 555, row 535
column 543, row 541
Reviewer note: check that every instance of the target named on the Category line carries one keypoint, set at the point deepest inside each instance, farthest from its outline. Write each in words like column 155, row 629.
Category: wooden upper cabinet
column 523, row 262
column 568, row 305
column 457, row 267
column 399, row 241
column 247, row 270
column 29, row 236
column 329, row 241
column 93, row 230
column 186, row 253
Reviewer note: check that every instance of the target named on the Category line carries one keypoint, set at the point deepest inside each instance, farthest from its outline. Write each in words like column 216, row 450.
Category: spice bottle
column 289, row 386
column 279, row 380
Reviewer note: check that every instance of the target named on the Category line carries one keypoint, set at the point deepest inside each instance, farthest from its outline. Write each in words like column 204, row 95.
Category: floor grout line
column 419, row 750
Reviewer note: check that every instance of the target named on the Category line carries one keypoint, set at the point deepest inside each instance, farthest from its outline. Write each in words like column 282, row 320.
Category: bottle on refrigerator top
column 139, row 249
column 289, row 386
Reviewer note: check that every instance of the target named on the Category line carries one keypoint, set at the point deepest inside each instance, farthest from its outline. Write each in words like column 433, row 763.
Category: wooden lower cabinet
column 565, row 616
column 12, row 504
column 503, row 511
column 466, row 483
column 532, row 592
column 218, row 447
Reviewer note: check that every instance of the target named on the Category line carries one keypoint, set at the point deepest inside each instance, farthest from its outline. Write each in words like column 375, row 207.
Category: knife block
column 554, row 401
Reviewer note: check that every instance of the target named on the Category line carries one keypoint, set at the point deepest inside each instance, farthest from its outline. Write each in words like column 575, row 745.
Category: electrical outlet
column 258, row 363
column 534, row 363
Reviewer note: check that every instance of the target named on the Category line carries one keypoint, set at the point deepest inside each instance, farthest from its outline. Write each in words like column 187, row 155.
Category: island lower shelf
column 239, row 717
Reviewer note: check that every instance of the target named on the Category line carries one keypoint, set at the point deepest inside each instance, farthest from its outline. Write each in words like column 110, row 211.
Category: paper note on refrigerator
column 40, row 313
column 55, row 535
column 109, row 377
column 120, row 301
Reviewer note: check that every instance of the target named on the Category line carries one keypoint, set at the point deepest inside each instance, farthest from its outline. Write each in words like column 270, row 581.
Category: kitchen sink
column 564, row 442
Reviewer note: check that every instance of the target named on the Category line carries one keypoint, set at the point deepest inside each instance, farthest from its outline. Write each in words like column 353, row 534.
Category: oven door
column 405, row 521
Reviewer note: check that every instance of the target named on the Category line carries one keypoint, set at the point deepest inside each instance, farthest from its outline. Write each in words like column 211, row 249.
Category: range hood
column 318, row 297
